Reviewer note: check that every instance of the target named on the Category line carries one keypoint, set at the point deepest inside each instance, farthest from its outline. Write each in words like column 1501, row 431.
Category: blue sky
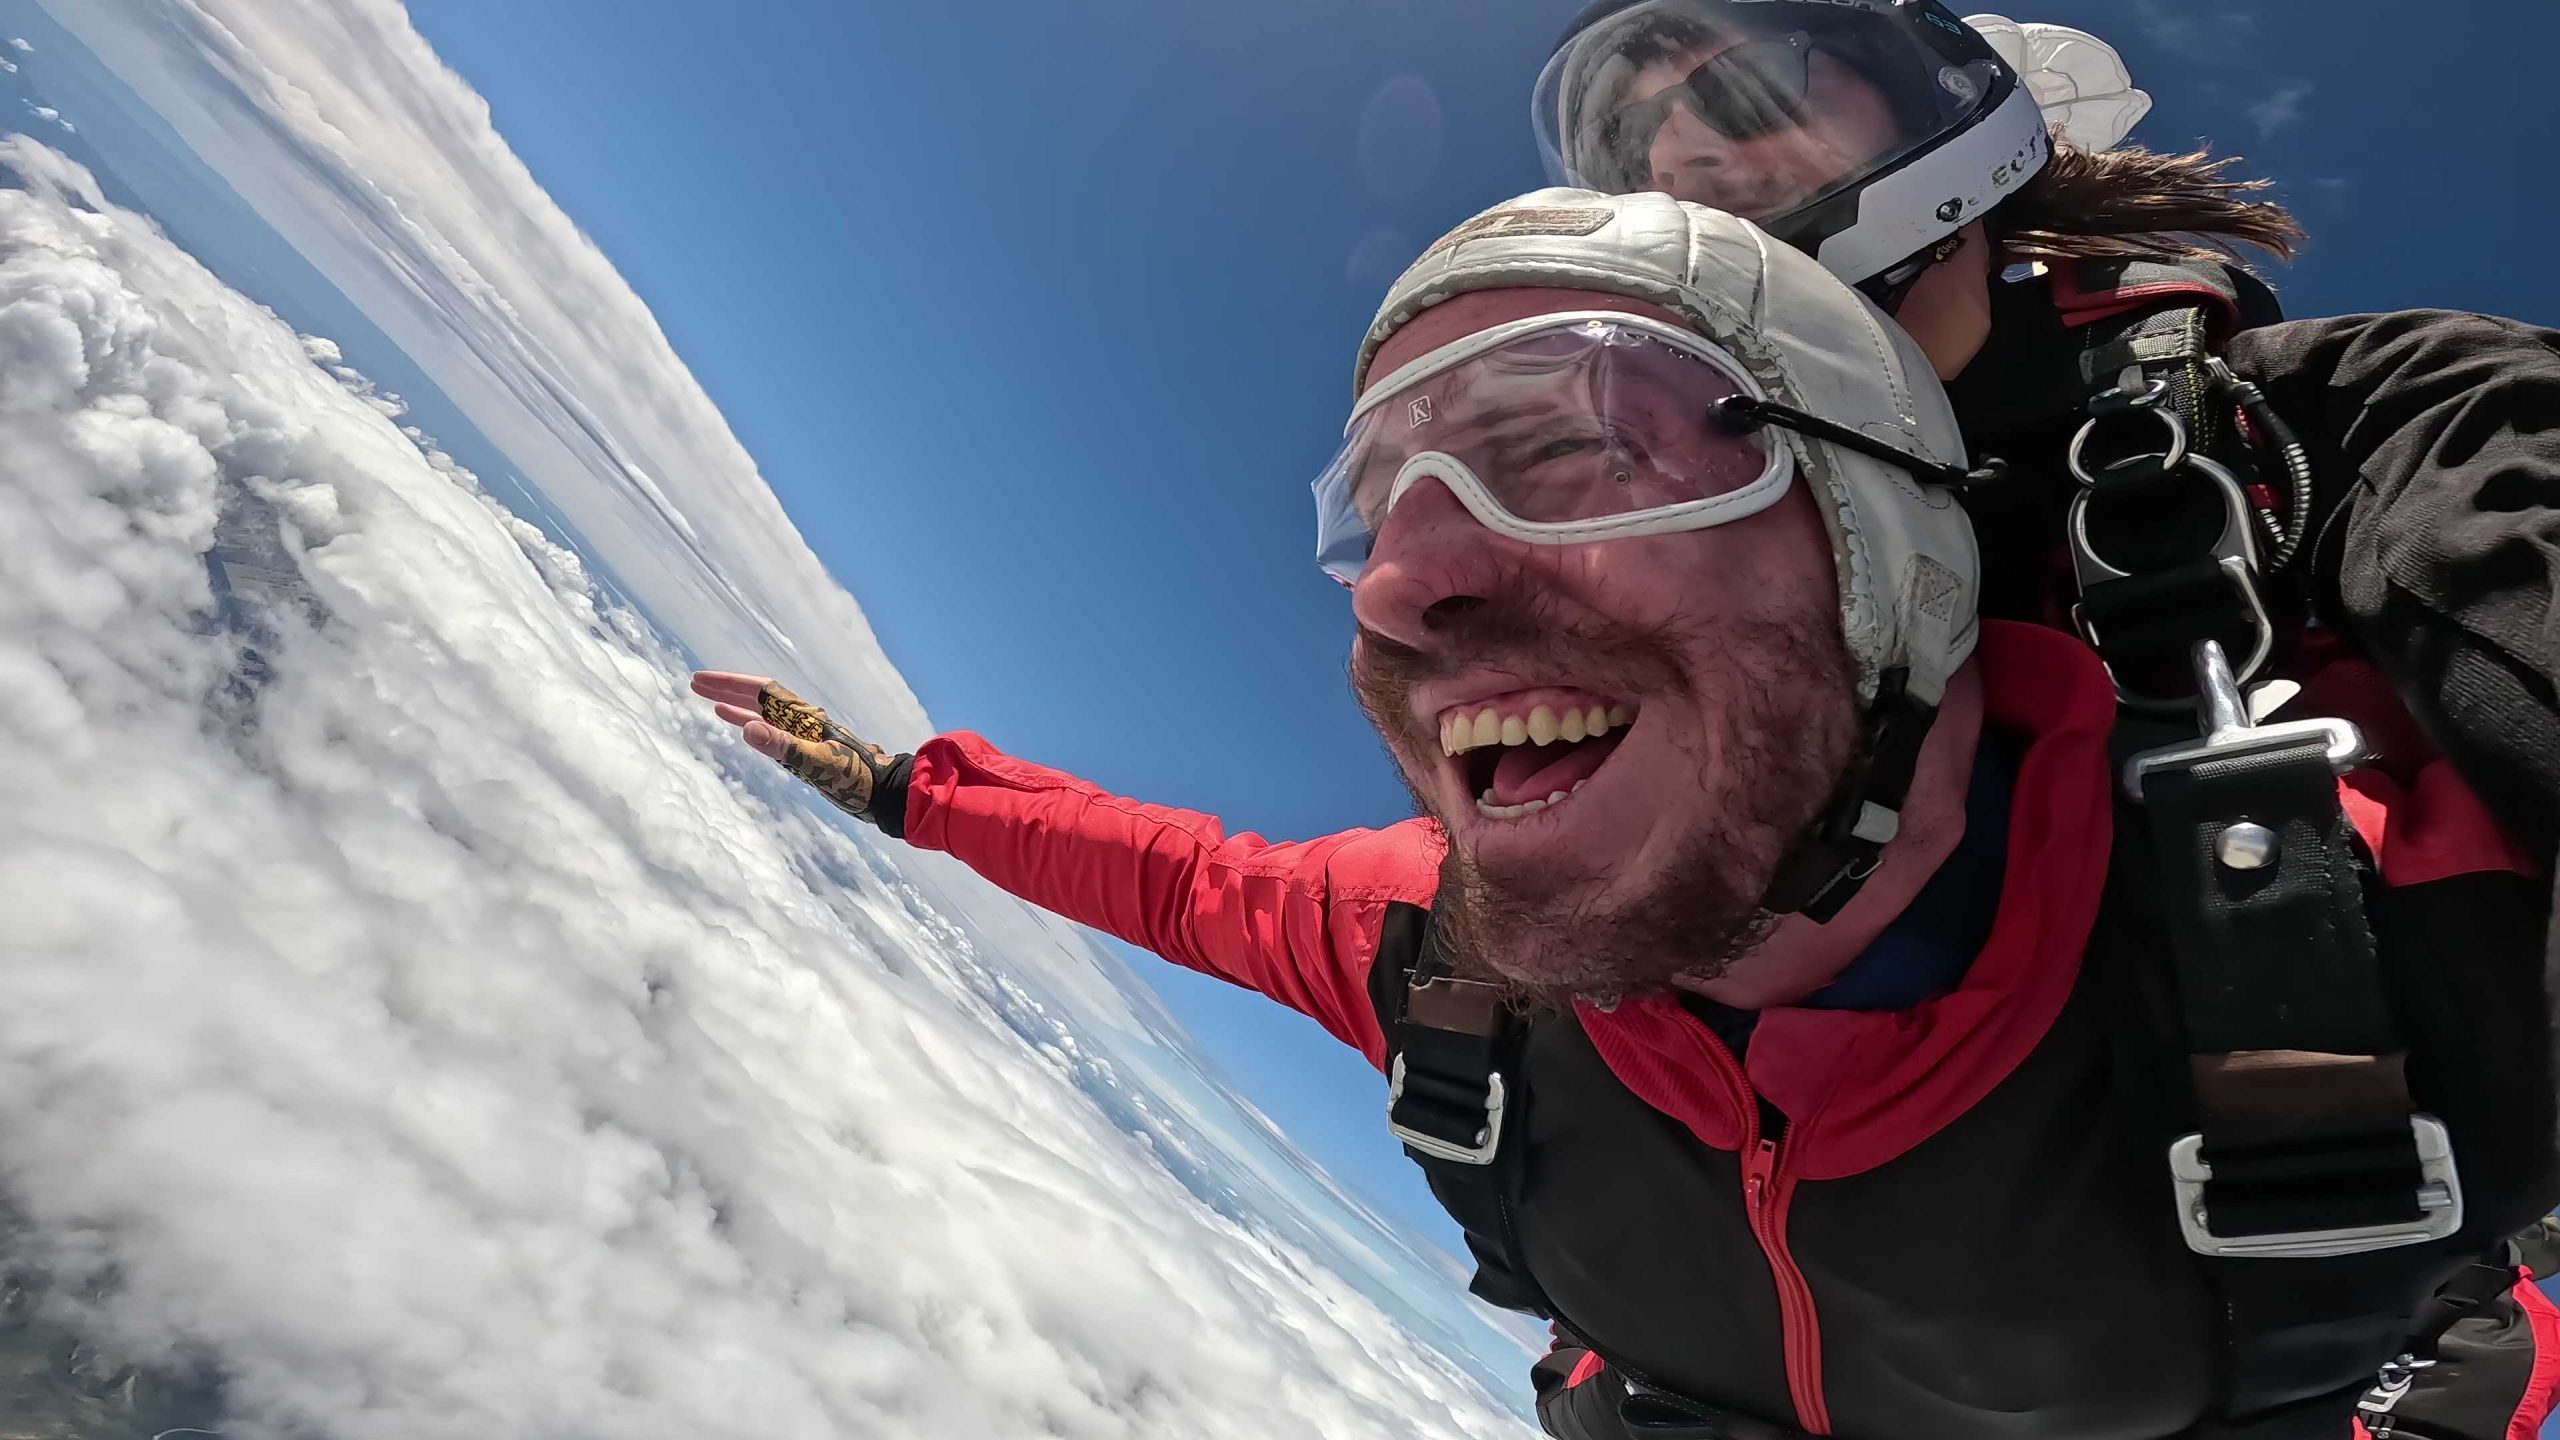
column 1039, row 317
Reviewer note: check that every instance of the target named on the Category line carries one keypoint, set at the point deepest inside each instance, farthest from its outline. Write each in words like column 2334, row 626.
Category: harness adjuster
column 1450, row 1105
column 2438, row 1199
column 1488, row 1138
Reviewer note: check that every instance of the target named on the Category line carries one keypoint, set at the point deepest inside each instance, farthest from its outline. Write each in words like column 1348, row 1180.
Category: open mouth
column 1522, row 754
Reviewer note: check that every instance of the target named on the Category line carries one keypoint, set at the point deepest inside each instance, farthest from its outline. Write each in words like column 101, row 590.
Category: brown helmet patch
column 1573, row 220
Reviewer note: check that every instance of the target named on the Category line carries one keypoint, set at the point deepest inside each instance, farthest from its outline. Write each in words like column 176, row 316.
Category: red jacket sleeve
column 1298, row 922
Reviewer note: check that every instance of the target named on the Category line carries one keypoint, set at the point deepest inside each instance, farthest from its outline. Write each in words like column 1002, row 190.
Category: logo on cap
column 1566, row 220
column 1420, row 410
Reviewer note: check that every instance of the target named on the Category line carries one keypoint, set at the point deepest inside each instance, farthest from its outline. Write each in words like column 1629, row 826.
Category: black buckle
column 1450, row 1105
column 2438, row 1206
column 1488, row 1136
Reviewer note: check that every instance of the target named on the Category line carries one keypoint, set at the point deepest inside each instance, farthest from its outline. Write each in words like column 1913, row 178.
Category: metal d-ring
column 2173, row 459
column 2234, row 551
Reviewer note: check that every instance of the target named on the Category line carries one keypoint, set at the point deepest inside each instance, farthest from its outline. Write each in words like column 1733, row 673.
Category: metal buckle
column 2227, row 731
column 1488, row 1139
column 2439, row 1205
column 2235, row 549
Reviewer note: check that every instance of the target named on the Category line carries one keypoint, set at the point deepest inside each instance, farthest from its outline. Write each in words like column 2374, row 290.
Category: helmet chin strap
column 1831, row 861
column 1893, row 286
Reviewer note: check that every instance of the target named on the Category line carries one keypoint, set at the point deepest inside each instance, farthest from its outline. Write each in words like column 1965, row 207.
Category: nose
column 1688, row 149
column 1431, row 562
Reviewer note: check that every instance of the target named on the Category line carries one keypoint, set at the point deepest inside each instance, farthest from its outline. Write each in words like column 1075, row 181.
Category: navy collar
column 1928, row 948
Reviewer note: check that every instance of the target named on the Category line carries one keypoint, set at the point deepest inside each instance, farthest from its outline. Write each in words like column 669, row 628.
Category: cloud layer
column 421, row 1008
column 336, row 120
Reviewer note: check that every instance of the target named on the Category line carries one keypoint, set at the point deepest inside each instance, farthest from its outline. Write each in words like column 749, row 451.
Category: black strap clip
column 2435, row 1215
column 1444, row 1089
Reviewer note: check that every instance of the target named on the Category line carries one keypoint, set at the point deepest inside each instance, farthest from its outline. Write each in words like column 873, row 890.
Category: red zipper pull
column 1764, row 1164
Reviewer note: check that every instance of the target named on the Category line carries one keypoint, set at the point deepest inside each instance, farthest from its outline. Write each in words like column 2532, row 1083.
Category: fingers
column 770, row 718
column 765, row 740
column 727, row 687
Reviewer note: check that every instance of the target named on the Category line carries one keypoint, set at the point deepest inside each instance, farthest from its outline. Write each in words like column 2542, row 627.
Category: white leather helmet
column 1857, row 407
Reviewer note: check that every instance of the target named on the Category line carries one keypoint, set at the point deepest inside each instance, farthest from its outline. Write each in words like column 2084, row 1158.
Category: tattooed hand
column 850, row 771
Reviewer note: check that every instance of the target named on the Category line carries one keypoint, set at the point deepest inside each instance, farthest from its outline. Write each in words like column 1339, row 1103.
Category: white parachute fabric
column 2079, row 80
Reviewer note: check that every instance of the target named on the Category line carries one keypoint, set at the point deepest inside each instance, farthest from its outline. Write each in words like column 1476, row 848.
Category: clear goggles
column 1758, row 107
column 1556, row 430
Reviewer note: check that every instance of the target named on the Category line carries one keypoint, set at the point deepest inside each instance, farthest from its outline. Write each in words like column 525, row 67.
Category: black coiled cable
column 2268, row 434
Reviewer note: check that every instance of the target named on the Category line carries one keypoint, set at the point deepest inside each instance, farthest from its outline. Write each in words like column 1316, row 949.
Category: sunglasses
column 1746, row 91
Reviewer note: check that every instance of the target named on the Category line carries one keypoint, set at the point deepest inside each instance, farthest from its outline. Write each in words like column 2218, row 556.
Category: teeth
column 1460, row 734
column 1491, row 811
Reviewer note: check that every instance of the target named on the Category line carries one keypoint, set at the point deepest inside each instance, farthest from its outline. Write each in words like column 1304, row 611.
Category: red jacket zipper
column 1766, row 1190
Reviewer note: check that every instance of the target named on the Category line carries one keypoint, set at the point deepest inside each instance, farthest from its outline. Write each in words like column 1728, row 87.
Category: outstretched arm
column 1299, row 922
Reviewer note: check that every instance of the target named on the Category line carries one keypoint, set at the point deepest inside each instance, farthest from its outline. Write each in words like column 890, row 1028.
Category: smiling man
column 1763, row 981
column 1619, row 742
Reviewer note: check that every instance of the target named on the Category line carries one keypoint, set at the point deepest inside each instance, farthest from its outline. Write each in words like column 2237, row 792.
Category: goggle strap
column 1743, row 414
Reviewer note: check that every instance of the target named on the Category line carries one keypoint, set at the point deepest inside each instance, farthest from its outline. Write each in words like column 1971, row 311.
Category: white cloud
column 341, row 126
column 2280, row 109
column 19, row 43
column 346, row 133
column 457, row 1035
column 2195, row 33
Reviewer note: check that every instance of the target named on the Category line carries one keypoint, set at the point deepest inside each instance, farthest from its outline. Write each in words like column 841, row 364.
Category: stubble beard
column 1780, row 709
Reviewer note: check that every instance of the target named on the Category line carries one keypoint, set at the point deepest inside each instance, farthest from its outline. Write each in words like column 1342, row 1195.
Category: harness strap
column 1453, row 1061
column 1455, row 1099
column 2307, row 1146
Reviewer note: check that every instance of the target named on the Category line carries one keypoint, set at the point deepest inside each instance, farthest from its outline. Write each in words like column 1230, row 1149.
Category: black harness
column 2265, row 1053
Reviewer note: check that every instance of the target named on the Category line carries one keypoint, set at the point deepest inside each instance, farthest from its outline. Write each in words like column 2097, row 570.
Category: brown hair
column 2133, row 201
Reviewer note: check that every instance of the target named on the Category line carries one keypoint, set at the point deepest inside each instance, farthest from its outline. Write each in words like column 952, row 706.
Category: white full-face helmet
column 1863, row 132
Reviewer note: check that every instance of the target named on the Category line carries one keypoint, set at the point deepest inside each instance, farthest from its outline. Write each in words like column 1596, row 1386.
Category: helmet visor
column 1762, row 108
column 1557, row 430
